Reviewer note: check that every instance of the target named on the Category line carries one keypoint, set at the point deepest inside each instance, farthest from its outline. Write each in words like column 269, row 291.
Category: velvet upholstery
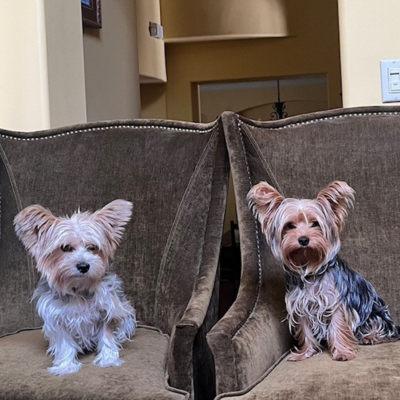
column 175, row 174
column 372, row 375
column 142, row 376
column 299, row 156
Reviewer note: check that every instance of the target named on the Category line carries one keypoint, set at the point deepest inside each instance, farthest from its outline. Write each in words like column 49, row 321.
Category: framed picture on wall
column 91, row 13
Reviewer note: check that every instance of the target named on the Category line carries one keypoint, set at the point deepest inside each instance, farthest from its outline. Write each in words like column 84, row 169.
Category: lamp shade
column 201, row 20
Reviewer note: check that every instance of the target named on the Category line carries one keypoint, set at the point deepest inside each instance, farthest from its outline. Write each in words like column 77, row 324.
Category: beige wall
column 222, row 19
column 67, row 97
column 311, row 48
column 52, row 75
column 111, row 64
column 369, row 32
column 41, row 64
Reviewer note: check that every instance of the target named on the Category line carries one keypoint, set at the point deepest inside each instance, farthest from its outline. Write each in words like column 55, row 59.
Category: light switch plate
column 390, row 80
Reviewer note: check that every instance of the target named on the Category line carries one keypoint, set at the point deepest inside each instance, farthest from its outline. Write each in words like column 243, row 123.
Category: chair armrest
column 251, row 336
column 243, row 349
column 180, row 362
column 190, row 363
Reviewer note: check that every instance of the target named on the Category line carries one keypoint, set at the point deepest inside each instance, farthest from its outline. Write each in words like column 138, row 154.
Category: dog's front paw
column 65, row 369
column 300, row 355
column 108, row 363
column 111, row 359
column 343, row 356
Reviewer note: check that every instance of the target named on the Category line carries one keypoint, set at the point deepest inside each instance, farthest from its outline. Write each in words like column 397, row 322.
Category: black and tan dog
column 327, row 302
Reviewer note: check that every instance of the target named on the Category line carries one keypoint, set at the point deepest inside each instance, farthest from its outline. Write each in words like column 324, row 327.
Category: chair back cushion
column 301, row 155
column 166, row 169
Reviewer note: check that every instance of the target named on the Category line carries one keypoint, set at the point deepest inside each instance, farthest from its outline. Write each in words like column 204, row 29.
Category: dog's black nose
column 83, row 267
column 304, row 240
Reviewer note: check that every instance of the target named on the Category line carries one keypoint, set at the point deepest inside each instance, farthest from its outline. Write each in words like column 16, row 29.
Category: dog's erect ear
column 113, row 217
column 264, row 200
column 339, row 198
column 31, row 223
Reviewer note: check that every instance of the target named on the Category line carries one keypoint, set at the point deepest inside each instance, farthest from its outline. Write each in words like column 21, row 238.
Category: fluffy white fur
column 81, row 303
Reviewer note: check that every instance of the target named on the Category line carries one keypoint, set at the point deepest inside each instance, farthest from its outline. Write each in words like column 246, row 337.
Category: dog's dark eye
column 66, row 248
column 290, row 225
column 92, row 247
column 315, row 224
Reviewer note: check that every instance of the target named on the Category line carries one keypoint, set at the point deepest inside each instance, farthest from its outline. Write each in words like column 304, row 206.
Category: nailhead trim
column 312, row 121
column 106, row 128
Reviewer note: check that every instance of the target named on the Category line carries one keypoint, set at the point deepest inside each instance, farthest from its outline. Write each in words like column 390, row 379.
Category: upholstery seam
column 264, row 162
column 249, row 388
column 312, row 121
column 105, row 128
column 245, row 320
column 10, row 174
column 34, row 328
column 179, row 210
column 11, row 178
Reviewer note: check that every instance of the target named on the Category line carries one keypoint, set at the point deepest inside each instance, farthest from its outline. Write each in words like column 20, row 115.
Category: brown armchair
column 299, row 156
column 176, row 175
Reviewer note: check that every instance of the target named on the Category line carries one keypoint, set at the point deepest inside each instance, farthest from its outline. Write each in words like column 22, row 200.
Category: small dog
column 81, row 303
column 327, row 302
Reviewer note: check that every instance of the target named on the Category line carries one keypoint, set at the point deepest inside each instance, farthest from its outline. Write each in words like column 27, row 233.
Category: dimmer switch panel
column 390, row 80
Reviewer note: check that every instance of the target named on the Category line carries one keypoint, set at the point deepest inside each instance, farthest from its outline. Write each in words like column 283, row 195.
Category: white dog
column 80, row 301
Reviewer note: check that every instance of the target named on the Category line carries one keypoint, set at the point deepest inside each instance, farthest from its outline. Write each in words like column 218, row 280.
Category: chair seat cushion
column 24, row 363
column 373, row 374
